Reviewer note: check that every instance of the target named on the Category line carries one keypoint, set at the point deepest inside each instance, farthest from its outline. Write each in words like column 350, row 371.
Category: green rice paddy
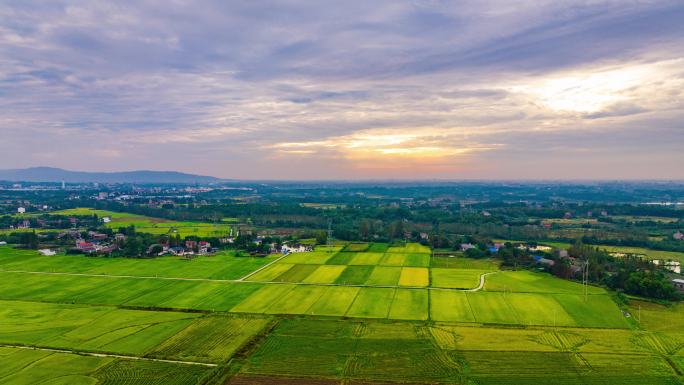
column 370, row 312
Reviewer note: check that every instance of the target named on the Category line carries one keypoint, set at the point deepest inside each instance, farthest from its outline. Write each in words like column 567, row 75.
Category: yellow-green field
column 391, row 316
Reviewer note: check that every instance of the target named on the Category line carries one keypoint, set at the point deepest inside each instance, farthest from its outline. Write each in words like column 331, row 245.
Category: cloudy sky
column 479, row 89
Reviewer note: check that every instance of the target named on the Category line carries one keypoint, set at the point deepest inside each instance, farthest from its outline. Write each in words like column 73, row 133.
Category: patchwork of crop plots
column 310, row 284
column 357, row 264
column 402, row 352
column 167, row 335
column 77, row 344
column 522, row 328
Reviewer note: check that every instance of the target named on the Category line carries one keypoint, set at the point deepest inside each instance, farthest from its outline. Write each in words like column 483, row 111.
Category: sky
column 354, row 89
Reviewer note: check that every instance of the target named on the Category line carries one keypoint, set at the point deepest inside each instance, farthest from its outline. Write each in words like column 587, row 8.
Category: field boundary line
column 241, row 280
column 92, row 354
column 118, row 276
column 261, row 268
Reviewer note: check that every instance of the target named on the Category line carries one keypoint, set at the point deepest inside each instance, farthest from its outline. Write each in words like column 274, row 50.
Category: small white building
column 3, row 243
column 21, row 210
column 467, row 246
column 286, row 249
column 106, row 219
column 47, row 252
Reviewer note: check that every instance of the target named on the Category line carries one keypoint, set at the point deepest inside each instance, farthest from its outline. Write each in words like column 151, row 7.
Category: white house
column 47, row 252
column 106, row 219
column 286, row 249
column 21, row 210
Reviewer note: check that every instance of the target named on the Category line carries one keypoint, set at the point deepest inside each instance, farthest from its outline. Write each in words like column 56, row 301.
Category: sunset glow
column 304, row 90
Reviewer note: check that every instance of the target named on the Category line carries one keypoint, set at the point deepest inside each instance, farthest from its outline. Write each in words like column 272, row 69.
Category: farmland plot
column 210, row 339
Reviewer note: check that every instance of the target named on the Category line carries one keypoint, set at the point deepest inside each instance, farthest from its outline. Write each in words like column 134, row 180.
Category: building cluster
column 189, row 248
column 94, row 242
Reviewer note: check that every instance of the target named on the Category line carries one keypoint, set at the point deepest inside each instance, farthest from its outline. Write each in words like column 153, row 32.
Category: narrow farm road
column 242, row 280
column 82, row 353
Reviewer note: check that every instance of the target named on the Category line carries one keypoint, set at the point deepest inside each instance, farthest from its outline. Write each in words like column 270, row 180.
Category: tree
column 321, row 237
column 30, row 240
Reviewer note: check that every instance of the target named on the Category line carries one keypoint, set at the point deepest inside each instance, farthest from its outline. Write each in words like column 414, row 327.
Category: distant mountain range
column 50, row 174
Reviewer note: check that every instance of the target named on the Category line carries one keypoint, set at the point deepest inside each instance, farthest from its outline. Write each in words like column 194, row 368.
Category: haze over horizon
column 317, row 90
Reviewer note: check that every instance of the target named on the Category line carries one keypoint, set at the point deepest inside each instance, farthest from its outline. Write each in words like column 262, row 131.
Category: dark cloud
column 223, row 81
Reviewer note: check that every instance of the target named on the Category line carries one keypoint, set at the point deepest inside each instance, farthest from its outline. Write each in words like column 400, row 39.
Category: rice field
column 222, row 266
column 392, row 316
column 352, row 351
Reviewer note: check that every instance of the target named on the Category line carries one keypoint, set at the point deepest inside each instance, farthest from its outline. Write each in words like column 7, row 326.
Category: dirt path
column 262, row 268
column 82, row 353
column 242, row 280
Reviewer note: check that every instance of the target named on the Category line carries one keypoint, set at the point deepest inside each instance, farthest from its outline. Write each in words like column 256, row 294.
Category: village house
column 467, row 246
column 297, row 248
column 678, row 236
column 543, row 261
column 85, row 246
column 673, row 266
column 204, row 247
column 678, row 284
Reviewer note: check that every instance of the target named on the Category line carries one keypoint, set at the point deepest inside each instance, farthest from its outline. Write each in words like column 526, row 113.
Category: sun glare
column 590, row 92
